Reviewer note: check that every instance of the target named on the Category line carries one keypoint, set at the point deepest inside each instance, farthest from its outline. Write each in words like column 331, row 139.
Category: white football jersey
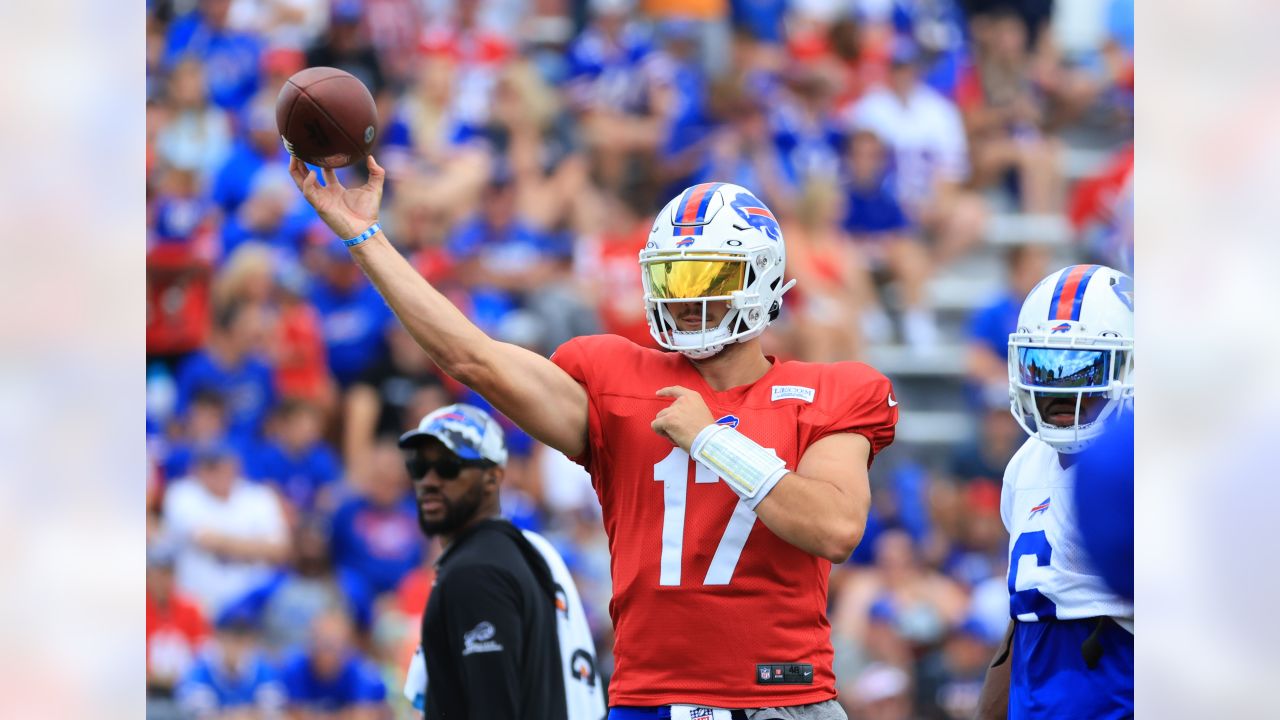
column 1049, row 572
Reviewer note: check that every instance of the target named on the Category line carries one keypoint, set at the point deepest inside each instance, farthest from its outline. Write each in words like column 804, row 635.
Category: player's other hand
column 347, row 212
column 681, row 421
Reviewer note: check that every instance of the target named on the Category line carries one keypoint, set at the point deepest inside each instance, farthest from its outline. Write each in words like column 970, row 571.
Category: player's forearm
column 815, row 516
column 454, row 343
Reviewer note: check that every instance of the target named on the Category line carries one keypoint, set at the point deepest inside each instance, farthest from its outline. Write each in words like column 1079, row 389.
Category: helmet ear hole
column 775, row 309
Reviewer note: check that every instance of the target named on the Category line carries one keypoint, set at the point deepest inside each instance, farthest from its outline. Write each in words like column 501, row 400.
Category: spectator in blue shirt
column 375, row 534
column 296, row 460
column 989, row 327
column 353, row 316
column 204, row 425
column 873, row 211
column 876, row 221
column 762, row 20
column 606, row 60
column 230, row 57
column 742, row 152
column 232, row 677
column 311, row 587
column 680, row 99
column 805, row 131
column 257, row 147
column 272, row 214
column 330, row 678
column 232, row 366
column 502, row 257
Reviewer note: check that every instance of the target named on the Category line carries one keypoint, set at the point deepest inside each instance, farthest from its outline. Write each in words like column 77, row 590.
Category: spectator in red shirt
column 175, row 630
column 301, row 360
column 605, row 266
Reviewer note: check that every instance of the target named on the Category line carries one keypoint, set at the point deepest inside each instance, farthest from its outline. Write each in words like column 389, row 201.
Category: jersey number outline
column 1030, row 600
column 673, row 472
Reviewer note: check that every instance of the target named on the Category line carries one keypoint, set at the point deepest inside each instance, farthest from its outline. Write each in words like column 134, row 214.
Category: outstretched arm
column 528, row 388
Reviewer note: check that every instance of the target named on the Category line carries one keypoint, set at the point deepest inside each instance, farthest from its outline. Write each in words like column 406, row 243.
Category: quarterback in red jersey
column 729, row 481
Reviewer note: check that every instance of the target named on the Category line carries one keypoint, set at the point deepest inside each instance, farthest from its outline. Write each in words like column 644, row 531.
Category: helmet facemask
column 1074, row 368
column 732, row 277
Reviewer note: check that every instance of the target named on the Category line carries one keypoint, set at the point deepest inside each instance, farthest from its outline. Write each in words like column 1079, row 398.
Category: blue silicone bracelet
column 374, row 229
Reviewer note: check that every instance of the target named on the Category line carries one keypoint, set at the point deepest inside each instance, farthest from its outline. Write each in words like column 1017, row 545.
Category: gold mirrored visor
column 691, row 279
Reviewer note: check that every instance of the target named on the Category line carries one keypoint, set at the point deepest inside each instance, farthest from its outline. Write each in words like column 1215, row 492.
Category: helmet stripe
column 694, row 204
column 706, row 200
column 1079, row 294
column 1068, row 294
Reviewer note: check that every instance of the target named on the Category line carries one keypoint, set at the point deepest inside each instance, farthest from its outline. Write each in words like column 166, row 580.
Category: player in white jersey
column 1069, row 653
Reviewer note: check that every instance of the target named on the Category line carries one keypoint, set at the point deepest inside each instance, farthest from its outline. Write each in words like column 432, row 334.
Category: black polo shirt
column 489, row 631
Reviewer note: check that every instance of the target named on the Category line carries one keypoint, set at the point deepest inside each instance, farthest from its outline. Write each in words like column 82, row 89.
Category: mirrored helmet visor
column 691, row 279
column 1071, row 369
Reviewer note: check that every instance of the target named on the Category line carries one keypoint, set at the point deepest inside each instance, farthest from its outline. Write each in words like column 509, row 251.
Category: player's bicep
column 840, row 460
column 539, row 396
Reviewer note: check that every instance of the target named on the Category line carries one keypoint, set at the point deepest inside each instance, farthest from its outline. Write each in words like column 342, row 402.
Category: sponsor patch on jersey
column 793, row 392
column 479, row 639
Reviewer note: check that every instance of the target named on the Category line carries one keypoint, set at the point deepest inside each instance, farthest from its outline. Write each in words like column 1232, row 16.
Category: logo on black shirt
column 480, row 639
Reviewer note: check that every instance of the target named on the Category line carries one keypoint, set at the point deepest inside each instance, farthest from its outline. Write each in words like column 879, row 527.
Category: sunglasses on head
column 447, row 466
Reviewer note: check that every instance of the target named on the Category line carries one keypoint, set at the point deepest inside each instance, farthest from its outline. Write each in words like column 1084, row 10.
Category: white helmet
column 714, row 242
column 1074, row 339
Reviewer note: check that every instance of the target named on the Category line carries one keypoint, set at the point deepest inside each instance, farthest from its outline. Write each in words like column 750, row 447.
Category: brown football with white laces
column 326, row 117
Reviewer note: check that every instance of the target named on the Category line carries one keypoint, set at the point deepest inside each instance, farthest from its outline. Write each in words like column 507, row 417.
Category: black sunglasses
column 447, row 466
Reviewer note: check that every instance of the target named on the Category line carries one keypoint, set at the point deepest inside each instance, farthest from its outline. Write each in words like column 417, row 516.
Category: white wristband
column 748, row 469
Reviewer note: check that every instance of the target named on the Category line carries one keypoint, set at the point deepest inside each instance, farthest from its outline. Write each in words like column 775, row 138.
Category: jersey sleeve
column 582, row 357
column 482, row 620
column 1006, row 494
column 856, row 399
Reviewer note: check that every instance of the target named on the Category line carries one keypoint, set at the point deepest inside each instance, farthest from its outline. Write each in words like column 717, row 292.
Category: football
column 326, row 117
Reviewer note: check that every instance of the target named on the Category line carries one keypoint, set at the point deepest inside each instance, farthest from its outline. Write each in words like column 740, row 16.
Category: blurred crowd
column 528, row 145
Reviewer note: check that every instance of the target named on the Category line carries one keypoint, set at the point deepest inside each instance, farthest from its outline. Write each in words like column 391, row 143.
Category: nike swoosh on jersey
column 892, row 402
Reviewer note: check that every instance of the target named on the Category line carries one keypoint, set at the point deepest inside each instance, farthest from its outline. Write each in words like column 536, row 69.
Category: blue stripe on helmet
column 1080, row 288
column 1057, row 291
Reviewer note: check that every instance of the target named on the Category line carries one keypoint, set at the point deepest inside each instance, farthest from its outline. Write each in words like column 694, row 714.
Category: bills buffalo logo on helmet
column 1123, row 288
column 757, row 215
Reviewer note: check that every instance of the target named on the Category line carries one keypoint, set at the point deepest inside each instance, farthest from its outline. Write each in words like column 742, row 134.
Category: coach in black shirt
column 489, row 631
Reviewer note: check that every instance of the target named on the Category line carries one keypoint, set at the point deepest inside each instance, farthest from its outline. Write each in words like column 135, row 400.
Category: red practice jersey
column 704, row 594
